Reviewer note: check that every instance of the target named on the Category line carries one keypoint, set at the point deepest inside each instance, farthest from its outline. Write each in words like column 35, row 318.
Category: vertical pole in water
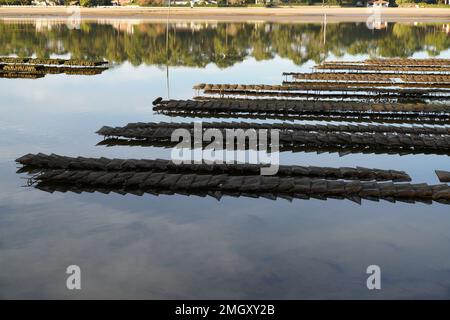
column 167, row 53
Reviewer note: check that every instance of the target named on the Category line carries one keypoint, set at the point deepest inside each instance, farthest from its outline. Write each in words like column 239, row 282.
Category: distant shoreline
column 281, row 14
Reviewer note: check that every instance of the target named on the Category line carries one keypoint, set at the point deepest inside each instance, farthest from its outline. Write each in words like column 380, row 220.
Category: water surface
column 191, row 247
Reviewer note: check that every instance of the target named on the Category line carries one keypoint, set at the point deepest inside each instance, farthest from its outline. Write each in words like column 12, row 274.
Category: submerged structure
column 293, row 137
column 345, row 91
column 337, row 91
column 283, row 109
column 56, row 173
column 403, row 91
column 34, row 68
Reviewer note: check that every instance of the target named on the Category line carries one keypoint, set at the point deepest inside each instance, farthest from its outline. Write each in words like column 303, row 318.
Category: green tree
column 94, row 3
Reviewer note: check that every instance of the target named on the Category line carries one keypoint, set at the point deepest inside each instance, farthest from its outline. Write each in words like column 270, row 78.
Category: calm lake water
column 191, row 247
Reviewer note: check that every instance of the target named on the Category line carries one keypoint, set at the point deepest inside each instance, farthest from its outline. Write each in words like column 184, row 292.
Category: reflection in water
column 189, row 247
column 373, row 192
column 224, row 44
column 34, row 68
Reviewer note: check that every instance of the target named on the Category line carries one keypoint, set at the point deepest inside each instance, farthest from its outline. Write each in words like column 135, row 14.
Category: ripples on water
column 190, row 247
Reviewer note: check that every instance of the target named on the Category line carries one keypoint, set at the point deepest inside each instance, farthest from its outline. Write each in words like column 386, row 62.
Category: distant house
column 120, row 2
column 377, row 3
column 44, row 3
column 123, row 2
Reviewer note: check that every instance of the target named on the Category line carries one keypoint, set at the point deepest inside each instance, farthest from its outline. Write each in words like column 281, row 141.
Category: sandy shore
column 282, row 14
